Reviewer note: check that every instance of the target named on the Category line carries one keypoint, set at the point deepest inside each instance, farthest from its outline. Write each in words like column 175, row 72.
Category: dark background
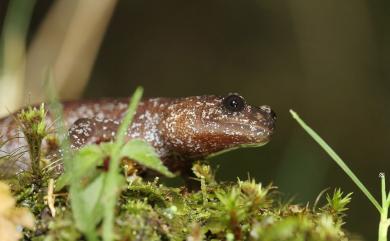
column 328, row 60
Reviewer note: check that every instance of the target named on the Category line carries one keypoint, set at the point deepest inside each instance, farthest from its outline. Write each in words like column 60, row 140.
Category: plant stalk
column 383, row 226
column 35, row 154
column 337, row 159
column 384, row 222
column 111, row 182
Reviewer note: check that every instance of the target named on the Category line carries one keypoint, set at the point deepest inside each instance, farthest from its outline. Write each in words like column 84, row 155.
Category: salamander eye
column 234, row 103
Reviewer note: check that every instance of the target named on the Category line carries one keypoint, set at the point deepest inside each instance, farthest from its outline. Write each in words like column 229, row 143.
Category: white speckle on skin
column 191, row 126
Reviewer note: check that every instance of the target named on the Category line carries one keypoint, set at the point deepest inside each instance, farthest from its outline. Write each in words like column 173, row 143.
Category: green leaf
column 92, row 199
column 79, row 210
column 144, row 154
column 83, row 162
column 117, row 181
column 62, row 181
column 87, row 206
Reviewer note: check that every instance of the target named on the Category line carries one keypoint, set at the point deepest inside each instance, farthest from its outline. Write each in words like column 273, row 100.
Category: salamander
column 181, row 130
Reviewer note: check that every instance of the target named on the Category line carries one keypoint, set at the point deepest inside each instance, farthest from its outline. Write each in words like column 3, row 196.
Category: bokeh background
column 328, row 60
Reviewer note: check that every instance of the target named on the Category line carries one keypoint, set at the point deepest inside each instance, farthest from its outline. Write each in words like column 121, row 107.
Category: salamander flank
column 181, row 130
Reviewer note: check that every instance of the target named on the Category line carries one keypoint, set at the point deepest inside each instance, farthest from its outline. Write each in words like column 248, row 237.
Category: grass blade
column 13, row 54
column 337, row 159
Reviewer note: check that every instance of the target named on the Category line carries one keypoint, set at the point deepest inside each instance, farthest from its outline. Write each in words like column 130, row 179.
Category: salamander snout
column 267, row 109
column 270, row 116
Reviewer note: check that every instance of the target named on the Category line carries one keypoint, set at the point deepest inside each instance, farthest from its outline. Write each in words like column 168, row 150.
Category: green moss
column 244, row 210
column 32, row 122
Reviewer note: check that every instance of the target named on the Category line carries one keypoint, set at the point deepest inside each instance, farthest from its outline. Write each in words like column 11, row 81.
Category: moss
column 32, row 123
column 244, row 210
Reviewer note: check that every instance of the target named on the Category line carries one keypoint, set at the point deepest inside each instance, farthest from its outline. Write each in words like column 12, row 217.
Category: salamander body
column 180, row 129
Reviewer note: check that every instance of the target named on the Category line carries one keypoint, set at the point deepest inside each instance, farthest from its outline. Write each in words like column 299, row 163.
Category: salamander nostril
column 267, row 109
column 269, row 115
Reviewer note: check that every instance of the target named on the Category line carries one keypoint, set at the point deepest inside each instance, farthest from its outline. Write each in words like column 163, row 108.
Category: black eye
column 234, row 103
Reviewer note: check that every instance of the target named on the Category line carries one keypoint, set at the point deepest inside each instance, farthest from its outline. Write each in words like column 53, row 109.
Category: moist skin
column 181, row 130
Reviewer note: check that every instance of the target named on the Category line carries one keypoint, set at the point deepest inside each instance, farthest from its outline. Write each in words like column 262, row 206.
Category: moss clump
column 32, row 123
column 244, row 210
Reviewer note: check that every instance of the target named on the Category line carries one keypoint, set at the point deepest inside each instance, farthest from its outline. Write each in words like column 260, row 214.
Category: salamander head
column 201, row 126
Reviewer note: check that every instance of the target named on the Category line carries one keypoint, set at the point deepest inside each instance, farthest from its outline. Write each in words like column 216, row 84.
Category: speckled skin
column 180, row 129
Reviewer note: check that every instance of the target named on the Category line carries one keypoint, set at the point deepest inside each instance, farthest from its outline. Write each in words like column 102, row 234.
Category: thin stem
column 122, row 131
column 35, row 155
column 383, row 185
column 111, row 180
column 337, row 159
column 388, row 199
column 384, row 222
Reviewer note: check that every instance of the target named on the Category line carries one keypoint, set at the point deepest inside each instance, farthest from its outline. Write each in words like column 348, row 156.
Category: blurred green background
column 328, row 60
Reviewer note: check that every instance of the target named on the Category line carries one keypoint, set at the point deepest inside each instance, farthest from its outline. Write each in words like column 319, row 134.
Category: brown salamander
column 180, row 129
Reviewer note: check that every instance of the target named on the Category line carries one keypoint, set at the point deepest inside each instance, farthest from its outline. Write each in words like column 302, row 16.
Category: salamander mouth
column 250, row 130
column 238, row 146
